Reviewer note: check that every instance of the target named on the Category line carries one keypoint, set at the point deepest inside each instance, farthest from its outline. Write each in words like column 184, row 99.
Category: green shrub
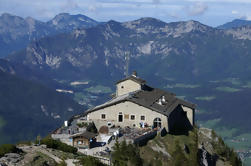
column 179, row 156
column 90, row 161
column 223, row 150
column 55, row 144
column 8, row 148
column 124, row 155
column 29, row 143
column 83, row 124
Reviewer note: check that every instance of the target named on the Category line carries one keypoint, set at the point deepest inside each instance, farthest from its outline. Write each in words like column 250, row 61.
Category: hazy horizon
column 209, row 12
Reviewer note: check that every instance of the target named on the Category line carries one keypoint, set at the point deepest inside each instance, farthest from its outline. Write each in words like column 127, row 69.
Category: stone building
column 139, row 105
column 83, row 140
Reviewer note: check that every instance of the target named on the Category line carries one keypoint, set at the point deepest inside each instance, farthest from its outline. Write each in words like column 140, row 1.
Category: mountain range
column 190, row 50
column 16, row 32
column 208, row 66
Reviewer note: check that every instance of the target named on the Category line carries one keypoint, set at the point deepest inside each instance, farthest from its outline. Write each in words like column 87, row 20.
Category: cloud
column 235, row 12
column 70, row 5
column 174, row 15
column 156, row 1
column 92, row 8
column 242, row 15
column 222, row 1
column 198, row 8
column 125, row 10
column 246, row 16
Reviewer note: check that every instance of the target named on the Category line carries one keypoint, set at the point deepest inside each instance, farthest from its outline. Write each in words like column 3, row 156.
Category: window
column 157, row 123
column 142, row 117
column 102, row 116
column 132, row 117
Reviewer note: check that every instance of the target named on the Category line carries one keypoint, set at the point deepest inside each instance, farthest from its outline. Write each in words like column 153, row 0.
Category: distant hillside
column 28, row 109
column 27, row 73
column 235, row 24
column 17, row 32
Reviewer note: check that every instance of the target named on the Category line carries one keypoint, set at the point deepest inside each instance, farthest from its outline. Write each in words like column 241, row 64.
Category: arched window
column 157, row 122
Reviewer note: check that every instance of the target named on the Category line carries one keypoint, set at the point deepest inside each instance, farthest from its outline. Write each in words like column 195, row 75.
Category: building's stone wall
column 84, row 142
column 127, row 87
column 190, row 114
column 126, row 109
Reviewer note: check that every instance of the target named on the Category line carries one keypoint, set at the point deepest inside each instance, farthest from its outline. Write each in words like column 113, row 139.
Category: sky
column 209, row 12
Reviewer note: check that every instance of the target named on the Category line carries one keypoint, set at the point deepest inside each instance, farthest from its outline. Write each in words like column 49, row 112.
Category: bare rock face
column 205, row 158
column 107, row 45
column 10, row 159
column 65, row 21
column 211, row 148
column 243, row 32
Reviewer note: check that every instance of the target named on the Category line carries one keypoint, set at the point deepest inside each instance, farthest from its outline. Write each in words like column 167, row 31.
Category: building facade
column 139, row 105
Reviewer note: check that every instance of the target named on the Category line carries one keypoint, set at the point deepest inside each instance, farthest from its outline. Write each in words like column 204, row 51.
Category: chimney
column 160, row 102
column 134, row 74
column 163, row 99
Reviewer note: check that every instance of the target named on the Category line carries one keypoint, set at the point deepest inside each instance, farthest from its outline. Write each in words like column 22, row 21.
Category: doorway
column 120, row 118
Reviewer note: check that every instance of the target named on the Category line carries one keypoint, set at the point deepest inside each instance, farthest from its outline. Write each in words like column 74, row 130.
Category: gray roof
column 133, row 78
column 86, row 134
column 149, row 99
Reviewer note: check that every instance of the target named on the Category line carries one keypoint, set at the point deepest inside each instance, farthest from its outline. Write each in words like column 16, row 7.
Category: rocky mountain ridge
column 242, row 33
column 16, row 32
column 236, row 23
column 106, row 46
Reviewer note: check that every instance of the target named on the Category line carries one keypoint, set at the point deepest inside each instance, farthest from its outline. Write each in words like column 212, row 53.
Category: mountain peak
column 61, row 16
column 6, row 15
column 148, row 21
column 191, row 25
column 30, row 20
column 196, row 24
column 235, row 24
column 63, row 20
column 113, row 22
